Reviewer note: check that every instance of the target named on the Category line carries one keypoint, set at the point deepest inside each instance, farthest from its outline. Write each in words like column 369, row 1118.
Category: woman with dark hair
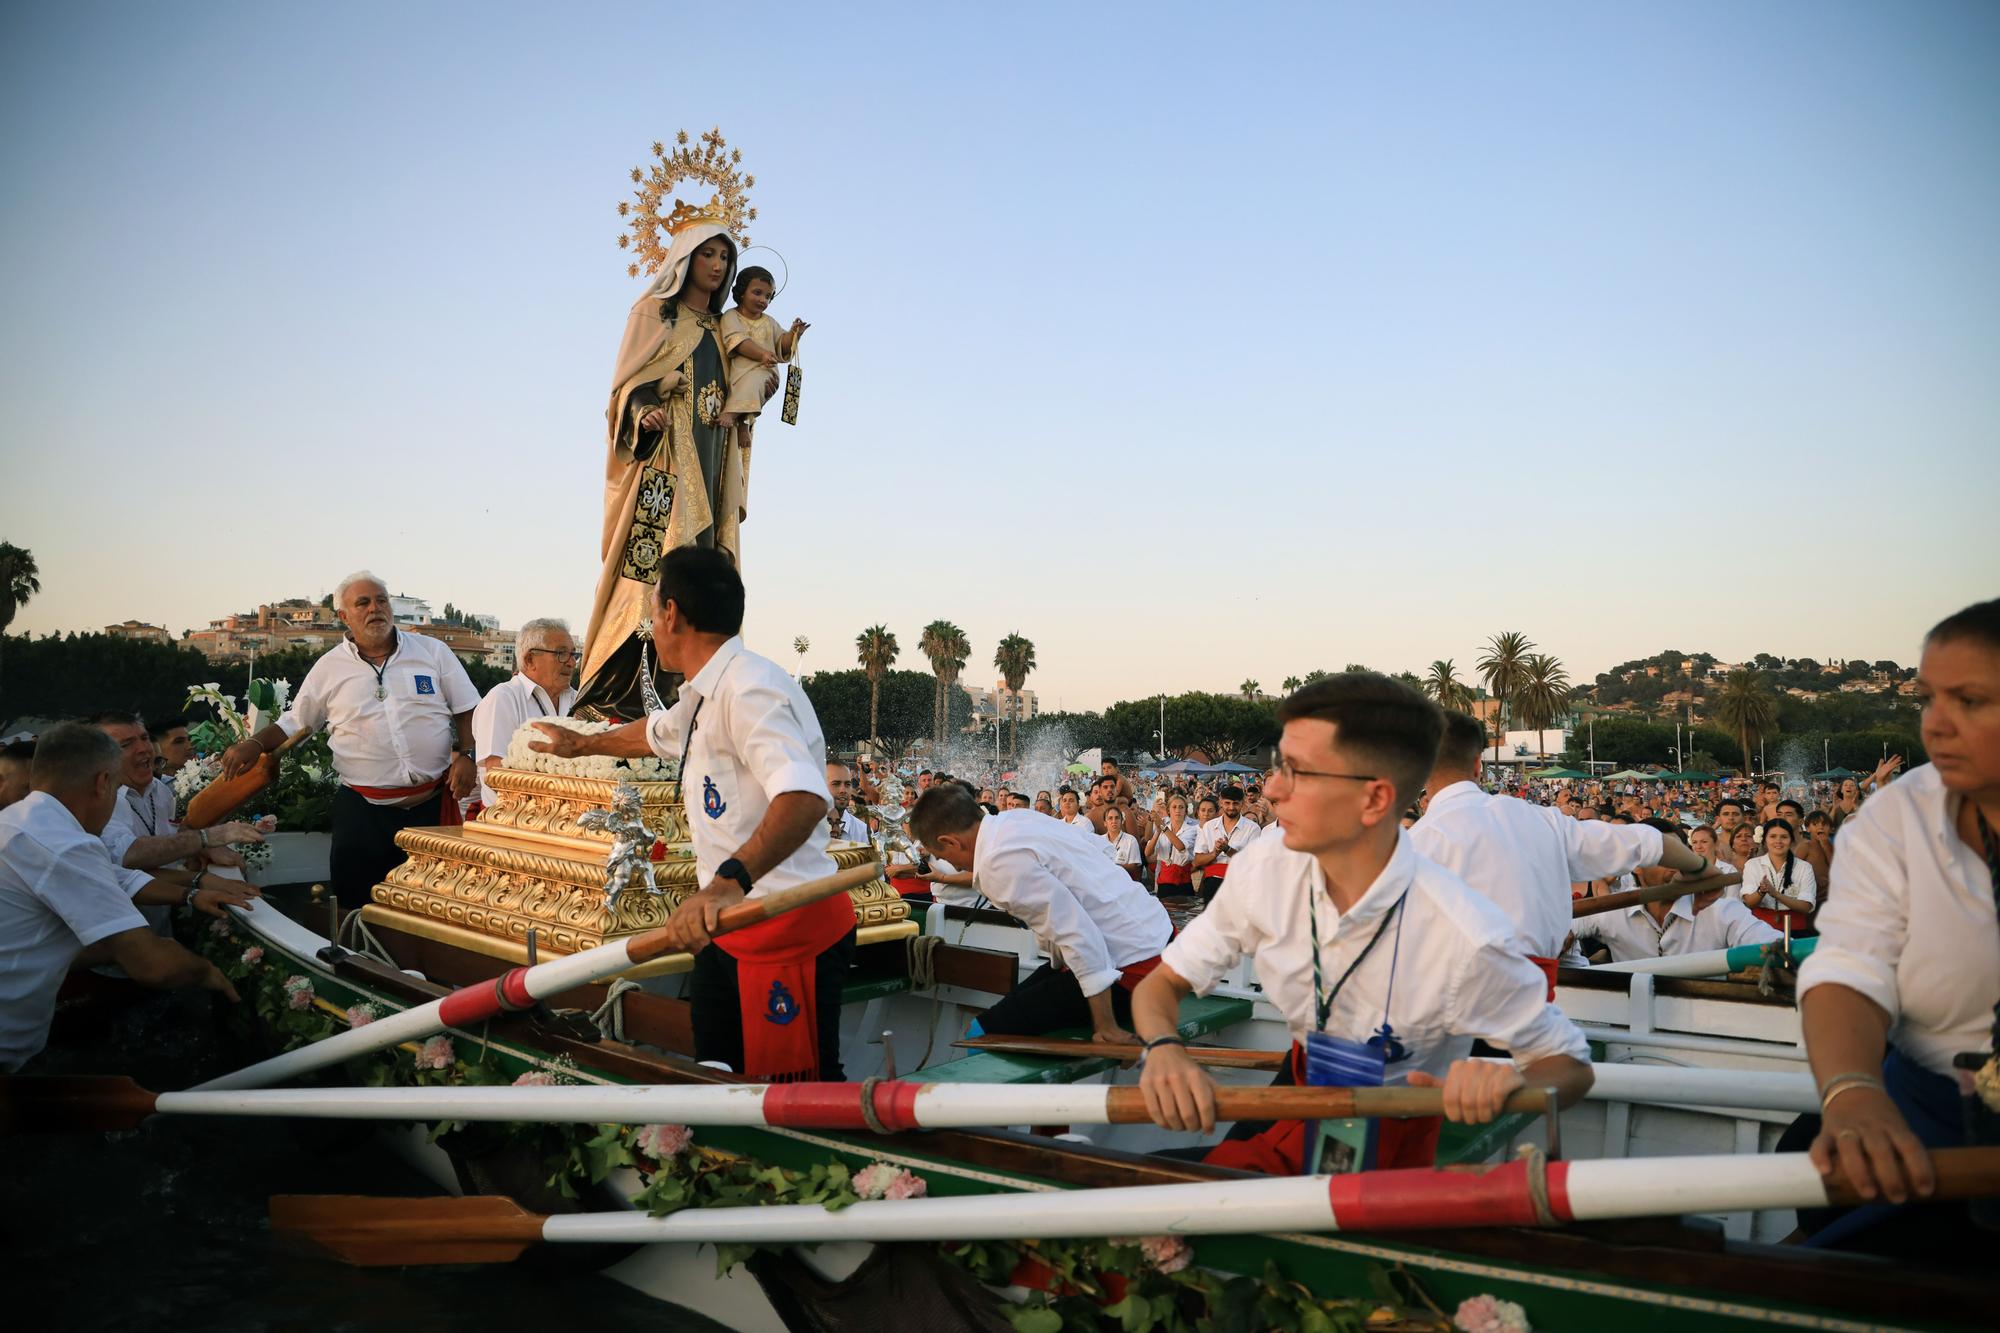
column 669, row 479
column 1778, row 880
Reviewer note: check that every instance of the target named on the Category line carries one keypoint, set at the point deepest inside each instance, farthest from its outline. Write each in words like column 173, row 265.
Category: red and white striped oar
column 494, row 1230
column 68, row 1102
column 519, row 989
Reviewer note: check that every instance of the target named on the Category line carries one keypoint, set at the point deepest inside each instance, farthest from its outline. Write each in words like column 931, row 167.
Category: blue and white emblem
column 781, row 1008
column 425, row 685
column 711, row 799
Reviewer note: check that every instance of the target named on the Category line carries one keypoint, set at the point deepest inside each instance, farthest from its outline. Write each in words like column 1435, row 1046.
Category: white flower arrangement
column 522, row 759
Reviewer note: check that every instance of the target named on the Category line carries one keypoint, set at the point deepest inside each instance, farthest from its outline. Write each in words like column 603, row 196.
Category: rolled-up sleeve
column 307, row 710
column 1503, row 999
column 460, row 694
column 665, row 732
column 773, row 744
column 81, row 885
column 495, row 721
column 1602, row 850
column 1208, row 947
column 1866, row 920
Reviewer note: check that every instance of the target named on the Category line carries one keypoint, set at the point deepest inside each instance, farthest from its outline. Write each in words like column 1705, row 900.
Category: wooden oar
column 68, row 1103
column 1612, row 902
column 1223, row 1057
column 521, row 988
column 494, row 1230
column 215, row 802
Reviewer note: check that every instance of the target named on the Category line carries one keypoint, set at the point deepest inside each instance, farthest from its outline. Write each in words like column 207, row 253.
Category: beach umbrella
column 1558, row 773
column 1078, row 768
column 1233, row 768
column 1835, row 775
column 1626, row 775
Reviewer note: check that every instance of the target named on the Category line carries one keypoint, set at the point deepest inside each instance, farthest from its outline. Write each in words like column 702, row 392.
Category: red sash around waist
column 1174, row 875
column 1281, row 1149
column 448, row 812
column 776, row 967
column 1548, row 966
column 906, row 887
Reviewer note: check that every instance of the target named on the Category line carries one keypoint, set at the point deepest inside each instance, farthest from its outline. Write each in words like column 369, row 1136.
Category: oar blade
column 378, row 1233
column 71, row 1103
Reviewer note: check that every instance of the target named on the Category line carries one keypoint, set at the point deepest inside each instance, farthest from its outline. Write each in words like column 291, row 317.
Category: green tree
column 1249, row 688
column 801, row 645
column 19, row 580
column 1292, row 683
column 876, row 648
column 1014, row 659
column 1444, row 686
column 1314, row 677
column 931, row 643
column 1745, row 704
column 1542, row 696
column 1504, row 666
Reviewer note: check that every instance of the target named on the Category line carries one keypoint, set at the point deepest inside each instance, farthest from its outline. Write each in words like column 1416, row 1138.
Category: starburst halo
column 651, row 222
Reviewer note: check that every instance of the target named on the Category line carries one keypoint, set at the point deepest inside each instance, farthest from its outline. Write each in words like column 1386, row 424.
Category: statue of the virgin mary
column 671, row 478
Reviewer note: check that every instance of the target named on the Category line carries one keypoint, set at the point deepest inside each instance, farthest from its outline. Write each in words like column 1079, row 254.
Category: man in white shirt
column 843, row 825
column 60, row 895
column 1525, row 856
column 541, row 688
column 398, row 710
column 753, row 778
column 1908, row 962
column 17, row 760
column 1691, row 923
column 1357, row 935
column 1102, row 932
column 1222, row 838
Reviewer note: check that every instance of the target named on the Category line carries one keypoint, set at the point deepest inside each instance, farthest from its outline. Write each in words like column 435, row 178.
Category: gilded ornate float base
column 540, row 808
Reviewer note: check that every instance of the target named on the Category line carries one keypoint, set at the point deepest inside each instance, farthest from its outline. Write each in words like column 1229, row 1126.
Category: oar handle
column 223, row 795
column 655, row 943
column 1127, row 1106
column 1613, row 902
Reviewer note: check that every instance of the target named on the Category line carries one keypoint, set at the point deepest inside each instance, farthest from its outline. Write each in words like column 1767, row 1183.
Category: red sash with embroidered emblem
column 775, row 972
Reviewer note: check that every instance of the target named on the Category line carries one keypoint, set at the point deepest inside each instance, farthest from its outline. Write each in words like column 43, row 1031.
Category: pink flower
column 663, row 1142
column 1167, row 1254
column 219, row 928
column 437, row 1053
column 1485, row 1314
column 536, row 1078
column 252, row 956
column 361, row 1015
column 879, row 1180
column 905, row 1186
column 298, row 992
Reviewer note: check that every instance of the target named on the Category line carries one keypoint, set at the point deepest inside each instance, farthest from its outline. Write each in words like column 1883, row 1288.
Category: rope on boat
column 355, row 935
column 610, row 1016
column 1538, row 1183
column 920, row 952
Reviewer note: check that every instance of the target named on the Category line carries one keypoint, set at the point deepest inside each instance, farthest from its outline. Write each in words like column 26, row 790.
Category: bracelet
column 204, row 836
column 1846, row 1083
column 1172, row 1038
column 187, row 899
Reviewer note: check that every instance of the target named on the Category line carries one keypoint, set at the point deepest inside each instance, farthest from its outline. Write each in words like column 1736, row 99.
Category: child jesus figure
column 755, row 347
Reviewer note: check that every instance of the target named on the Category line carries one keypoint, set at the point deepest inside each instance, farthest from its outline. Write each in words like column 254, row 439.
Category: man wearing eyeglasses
column 541, row 688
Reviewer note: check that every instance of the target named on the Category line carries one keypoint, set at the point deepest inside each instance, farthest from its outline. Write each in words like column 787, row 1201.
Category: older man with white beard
column 541, row 688
column 398, row 710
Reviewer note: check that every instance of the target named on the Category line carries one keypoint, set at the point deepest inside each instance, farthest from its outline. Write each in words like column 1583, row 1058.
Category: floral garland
column 523, row 759
column 1149, row 1284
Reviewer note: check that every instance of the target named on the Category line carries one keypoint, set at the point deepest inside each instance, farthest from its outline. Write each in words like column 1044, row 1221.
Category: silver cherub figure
column 892, row 816
column 630, row 863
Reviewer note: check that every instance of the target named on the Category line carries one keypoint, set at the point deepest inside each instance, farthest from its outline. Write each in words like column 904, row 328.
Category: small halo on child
column 784, row 268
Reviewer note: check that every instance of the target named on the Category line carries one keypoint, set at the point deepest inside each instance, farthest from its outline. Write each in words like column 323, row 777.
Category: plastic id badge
column 1340, row 1146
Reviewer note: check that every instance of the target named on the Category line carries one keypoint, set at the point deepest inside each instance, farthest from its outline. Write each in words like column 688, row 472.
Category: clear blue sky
column 1192, row 342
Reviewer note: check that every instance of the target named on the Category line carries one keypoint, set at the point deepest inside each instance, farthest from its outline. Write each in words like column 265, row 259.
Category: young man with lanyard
column 1368, row 948
column 1101, row 931
column 1900, row 998
column 1525, row 856
column 766, row 1000
column 398, row 712
column 1222, row 838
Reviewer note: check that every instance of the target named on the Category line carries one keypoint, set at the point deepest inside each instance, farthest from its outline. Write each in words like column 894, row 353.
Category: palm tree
column 932, row 645
column 1444, row 686
column 1543, row 694
column 801, row 646
column 1746, row 704
column 1249, row 688
column 1292, row 683
column 19, row 580
column 958, row 649
column 876, row 648
column 1503, row 666
column 1315, row 676
column 1015, row 658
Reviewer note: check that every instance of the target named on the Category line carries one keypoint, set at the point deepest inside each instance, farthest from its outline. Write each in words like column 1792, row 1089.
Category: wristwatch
column 187, row 899
column 733, row 869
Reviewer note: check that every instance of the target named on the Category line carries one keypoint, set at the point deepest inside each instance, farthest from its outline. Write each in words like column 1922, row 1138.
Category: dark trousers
column 1047, row 1001
column 717, row 1011
column 364, row 843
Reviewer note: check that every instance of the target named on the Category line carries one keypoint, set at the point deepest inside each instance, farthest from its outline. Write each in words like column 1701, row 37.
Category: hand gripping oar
column 519, row 989
column 213, row 803
column 887, row 1106
column 1224, row 1057
column 1612, row 902
column 1523, row 1192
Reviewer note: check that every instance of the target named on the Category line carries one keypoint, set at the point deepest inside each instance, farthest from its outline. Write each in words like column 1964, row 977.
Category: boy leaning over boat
column 1383, row 962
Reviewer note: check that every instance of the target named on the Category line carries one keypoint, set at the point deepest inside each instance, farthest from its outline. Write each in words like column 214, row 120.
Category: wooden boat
column 448, row 919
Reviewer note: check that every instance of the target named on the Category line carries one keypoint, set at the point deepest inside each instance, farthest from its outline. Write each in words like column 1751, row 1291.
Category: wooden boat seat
column 1201, row 1016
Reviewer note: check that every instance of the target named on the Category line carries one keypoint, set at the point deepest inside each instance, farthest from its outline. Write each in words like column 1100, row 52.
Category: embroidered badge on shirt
column 711, row 799
column 781, row 1008
column 424, row 685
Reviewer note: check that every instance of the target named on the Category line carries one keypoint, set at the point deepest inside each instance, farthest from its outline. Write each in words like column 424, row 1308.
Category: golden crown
column 709, row 160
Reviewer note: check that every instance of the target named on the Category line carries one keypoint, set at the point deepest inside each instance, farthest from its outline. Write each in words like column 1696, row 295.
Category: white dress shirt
column 400, row 740
column 1909, row 922
column 1226, row 845
column 1455, row 974
column 1632, row 933
column 501, row 713
column 1125, row 851
column 59, row 893
column 1761, row 879
column 853, row 828
column 749, row 735
column 1524, row 856
column 1164, row 851
column 1090, row 916
column 125, row 828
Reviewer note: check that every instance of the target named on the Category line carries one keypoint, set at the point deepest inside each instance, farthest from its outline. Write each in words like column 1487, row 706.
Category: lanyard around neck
column 1323, row 1000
